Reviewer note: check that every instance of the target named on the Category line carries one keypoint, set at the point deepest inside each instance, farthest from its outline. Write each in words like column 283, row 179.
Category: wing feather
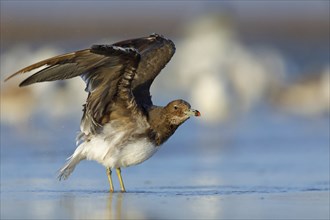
column 51, row 73
column 118, row 77
column 105, row 75
column 49, row 62
column 156, row 51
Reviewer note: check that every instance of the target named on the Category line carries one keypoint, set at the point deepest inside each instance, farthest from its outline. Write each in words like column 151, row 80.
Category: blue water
column 264, row 165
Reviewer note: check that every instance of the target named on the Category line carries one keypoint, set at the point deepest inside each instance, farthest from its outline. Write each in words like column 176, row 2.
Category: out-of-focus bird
column 229, row 78
column 308, row 95
column 120, row 126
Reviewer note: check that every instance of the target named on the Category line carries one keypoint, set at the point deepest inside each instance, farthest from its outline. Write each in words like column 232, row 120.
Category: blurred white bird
column 308, row 95
column 228, row 77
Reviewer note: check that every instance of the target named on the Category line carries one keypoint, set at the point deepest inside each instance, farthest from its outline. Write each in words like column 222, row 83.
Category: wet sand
column 245, row 172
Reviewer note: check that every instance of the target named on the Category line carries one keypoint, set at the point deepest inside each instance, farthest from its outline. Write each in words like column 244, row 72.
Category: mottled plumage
column 120, row 126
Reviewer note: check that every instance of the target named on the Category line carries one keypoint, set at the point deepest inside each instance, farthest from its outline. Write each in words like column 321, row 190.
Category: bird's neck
column 160, row 125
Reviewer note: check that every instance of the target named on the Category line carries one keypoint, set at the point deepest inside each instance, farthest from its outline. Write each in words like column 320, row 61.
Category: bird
column 120, row 125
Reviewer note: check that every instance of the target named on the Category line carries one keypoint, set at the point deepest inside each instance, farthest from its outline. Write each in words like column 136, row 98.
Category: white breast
column 134, row 153
column 110, row 154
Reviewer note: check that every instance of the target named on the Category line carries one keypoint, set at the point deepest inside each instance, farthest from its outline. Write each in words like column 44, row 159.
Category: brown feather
column 50, row 61
column 156, row 51
column 118, row 77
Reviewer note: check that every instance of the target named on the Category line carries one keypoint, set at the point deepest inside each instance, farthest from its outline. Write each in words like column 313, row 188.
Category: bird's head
column 178, row 111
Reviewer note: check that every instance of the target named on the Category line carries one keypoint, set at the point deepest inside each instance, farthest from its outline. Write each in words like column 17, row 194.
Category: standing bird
column 120, row 126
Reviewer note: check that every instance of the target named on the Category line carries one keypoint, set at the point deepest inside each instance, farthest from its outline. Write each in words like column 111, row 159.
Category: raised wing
column 109, row 86
column 118, row 77
column 108, row 72
column 156, row 51
column 60, row 67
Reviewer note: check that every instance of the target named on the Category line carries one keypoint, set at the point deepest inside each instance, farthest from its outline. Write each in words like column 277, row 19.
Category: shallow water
column 266, row 166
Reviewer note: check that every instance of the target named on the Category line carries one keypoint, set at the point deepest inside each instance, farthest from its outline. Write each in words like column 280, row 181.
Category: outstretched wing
column 108, row 72
column 118, row 78
column 156, row 51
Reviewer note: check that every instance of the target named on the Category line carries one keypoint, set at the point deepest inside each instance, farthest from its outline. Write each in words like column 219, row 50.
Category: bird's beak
column 193, row 112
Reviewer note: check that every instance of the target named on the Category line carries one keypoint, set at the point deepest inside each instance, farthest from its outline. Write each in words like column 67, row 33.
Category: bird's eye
column 175, row 107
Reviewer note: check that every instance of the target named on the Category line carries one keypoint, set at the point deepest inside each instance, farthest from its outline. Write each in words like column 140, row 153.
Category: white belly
column 109, row 154
column 135, row 153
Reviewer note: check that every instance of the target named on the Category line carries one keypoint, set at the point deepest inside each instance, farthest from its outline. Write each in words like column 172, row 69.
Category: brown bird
column 120, row 126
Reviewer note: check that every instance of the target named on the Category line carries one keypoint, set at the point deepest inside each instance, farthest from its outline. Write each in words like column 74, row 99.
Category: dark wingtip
column 30, row 80
column 24, row 83
column 5, row 80
column 15, row 74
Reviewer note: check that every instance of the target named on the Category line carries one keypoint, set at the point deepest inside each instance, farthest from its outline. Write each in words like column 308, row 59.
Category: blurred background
column 258, row 71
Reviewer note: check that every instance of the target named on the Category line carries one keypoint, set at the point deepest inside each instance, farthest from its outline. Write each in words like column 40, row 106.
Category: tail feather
column 71, row 163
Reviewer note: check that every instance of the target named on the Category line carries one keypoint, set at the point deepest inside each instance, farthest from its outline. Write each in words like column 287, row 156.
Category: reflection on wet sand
column 97, row 205
column 114, row 206
column 210, row 202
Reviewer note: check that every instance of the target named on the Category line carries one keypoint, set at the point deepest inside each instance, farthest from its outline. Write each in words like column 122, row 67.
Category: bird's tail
column 71, row 163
